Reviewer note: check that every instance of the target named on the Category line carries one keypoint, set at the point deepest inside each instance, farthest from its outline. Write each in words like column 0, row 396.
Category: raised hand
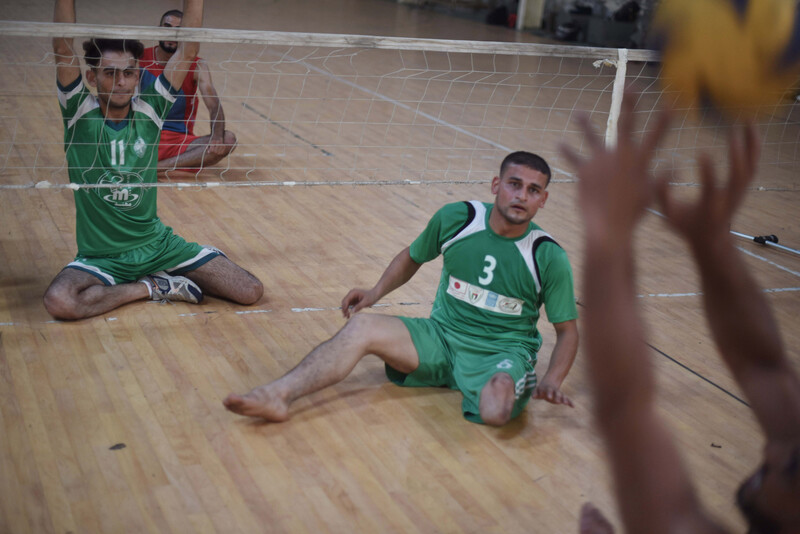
column 709, row 217
column 614, row 183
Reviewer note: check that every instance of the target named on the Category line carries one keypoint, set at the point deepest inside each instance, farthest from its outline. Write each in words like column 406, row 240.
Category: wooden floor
column 115, row 424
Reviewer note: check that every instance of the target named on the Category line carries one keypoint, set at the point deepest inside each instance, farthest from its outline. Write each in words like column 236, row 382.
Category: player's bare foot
column 593, row 521
column 258, row 403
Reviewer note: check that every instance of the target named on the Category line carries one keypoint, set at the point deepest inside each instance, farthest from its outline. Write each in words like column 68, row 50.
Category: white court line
column 749, row 253
column 698, row 293
column 409, row 108
column 781, row 267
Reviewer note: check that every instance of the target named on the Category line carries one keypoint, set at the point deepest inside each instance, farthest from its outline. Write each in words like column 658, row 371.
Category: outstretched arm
column 178, row 65
column 68, row 66
column 399, row 271
column 739, row 315
column 561, row 360
column 654, row 491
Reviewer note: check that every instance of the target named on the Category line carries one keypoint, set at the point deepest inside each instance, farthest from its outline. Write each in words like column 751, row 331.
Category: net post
column 616, row 98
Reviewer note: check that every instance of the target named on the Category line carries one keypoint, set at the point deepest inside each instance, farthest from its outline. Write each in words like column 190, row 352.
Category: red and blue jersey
column 183, row 113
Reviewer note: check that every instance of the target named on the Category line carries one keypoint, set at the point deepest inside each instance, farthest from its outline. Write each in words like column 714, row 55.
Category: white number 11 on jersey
column 117, row 144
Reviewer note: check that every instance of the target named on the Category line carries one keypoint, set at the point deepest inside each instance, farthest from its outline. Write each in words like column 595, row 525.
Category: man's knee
column 359, row 325
column 497, row 400
column 363, row 333
column 60, row 303
column 230, row 139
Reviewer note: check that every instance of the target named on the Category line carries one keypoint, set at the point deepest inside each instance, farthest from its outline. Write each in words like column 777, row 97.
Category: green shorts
column 465, row 363
column 169, row 252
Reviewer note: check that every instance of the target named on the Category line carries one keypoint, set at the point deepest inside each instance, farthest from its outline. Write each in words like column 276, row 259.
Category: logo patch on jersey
column 457, row 287
column 475, row 294
column 127, row 193
column 139, row 147
column 510, row 306
column 482, row 298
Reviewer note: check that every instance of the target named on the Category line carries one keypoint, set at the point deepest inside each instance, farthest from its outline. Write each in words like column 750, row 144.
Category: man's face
column 773, row 492
column 116, row 78
column 170, row 21
column 519, row 193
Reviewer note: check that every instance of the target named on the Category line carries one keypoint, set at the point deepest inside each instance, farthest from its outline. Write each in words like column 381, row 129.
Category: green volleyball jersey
column 493, row 286
column 124, row 155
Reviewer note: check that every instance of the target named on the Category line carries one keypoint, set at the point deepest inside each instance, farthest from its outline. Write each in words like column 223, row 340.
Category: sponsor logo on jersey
column 482, row 298
column 126, row 193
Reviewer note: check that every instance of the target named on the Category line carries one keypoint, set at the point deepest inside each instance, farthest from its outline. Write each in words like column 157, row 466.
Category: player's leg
column 195, row 155
column 222, row 278
column 329, row 363
column 76, row 294
column 496, row 386
column 497, row 400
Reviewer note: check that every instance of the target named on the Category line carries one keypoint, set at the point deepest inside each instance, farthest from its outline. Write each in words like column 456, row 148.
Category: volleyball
column 732, row 54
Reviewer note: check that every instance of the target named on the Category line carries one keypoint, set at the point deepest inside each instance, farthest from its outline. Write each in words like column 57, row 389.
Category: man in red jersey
column 179, row 147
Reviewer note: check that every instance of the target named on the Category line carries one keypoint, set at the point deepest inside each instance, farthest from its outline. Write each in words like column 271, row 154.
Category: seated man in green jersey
column 481, row 337
column 125, row 253
column 653, row 486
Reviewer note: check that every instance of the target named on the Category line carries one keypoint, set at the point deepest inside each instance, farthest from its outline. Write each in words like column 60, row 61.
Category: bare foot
column 593, row 521
column 258, row 403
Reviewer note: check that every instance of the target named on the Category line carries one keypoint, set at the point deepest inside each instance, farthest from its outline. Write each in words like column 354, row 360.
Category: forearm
column 67, row 63
column 192, row 18
column 401, row 269
column 217, row 118
column 748, row 338
column 564, row 352
column 740, row 318
column 613, row 331
column 653, row 489
column 63, row 12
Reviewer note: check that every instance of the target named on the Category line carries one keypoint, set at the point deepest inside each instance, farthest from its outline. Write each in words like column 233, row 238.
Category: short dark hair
column 170, row 13
column 93, row 49
column 527, row 159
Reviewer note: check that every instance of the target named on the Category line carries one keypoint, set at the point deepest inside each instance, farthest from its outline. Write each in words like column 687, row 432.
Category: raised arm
column 178, row 65
column 68, row 66
column 399, row 271
column 738, row 313
column 654, row 491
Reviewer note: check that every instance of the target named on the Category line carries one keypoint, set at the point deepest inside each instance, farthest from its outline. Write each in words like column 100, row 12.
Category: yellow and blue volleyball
column 731, row 54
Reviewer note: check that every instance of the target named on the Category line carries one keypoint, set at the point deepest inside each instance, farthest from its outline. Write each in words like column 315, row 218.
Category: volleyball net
column 346, row 109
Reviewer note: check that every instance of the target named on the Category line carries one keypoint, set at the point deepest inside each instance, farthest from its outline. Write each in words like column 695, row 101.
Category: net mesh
column 344, row 114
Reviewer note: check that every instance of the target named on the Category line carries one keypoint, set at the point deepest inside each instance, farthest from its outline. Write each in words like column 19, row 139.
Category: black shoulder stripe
column 470, row 217
column 535, row 246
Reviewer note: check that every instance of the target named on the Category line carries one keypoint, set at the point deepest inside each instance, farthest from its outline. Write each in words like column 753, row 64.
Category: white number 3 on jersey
column 488, row 270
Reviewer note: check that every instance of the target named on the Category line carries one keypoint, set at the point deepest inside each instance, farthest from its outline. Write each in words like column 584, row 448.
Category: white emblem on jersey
column 482, row 298
column 139, row 147
column 126, row 194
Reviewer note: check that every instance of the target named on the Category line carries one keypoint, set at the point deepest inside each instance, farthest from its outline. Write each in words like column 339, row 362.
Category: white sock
column 149, row 286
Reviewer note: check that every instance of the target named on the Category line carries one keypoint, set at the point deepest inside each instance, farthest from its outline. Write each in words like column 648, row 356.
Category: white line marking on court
column 409, row 108
column 749, row 253
column 669, row 295
column 781, row 267
column 245, row 312
column 698, row 293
